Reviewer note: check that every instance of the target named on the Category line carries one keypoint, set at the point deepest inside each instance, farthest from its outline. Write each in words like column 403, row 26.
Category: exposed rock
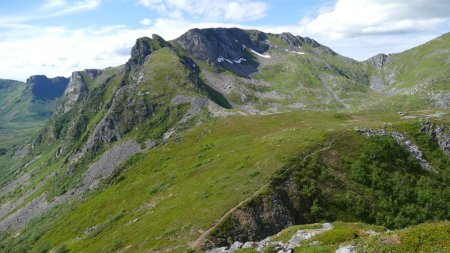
column 378, row 61
column 279, row 247
column 254, row 222
column 224, row 46
column 35, row 207
column 376, row 83
column 440, row 99
column 14, row 184
column 438, row 133
column 145, row 46
column 22, row 152
column 197, row 105
column 108, row 162
column 346, row 249
column 297, row 41
column 44, row 88
column 75, row 90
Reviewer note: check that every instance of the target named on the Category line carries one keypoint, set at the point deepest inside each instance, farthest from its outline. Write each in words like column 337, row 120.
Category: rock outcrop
column 44, row 88
column 295, row 42
column 76, row 90
column 378, row 61
column 438, row 133
column 145, row 46
column 228, row 47
column 275, row 246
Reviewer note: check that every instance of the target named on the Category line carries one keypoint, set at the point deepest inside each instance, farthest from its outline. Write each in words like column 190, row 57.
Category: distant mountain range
column 223, row 135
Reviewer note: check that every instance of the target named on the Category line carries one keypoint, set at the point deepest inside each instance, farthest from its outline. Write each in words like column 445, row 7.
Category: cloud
column 145, row 21
column 237, row 10
column 354, row 18
column 49, row 9
column 55, row 50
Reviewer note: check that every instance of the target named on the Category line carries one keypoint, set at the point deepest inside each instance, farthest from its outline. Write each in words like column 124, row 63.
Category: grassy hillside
column 283, row 138
column 165, row 198
column 21, row 117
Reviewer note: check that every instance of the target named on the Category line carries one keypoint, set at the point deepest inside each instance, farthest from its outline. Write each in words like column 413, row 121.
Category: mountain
column 44, row 88
column 228, row 134
column 24, row 109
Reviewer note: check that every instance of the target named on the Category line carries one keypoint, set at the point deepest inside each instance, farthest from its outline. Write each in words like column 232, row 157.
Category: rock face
column 76, row 89
column 378, row 61
column 228, row 47
column 44, row 88
column 297, row 41
column 145, row 46
column 279, row 247
column 438, row 133
column 210, row 44
column 263, row 216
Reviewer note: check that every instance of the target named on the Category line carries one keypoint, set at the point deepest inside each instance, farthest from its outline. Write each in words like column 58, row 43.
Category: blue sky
column 57, row 37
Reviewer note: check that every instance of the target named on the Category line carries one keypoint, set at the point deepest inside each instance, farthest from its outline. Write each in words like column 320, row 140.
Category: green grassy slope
column 21, row 117
column 418, row 77
column 166, row 197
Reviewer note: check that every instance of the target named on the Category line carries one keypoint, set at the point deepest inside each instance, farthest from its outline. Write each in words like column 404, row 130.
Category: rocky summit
column 44, row 88
column 230, row 140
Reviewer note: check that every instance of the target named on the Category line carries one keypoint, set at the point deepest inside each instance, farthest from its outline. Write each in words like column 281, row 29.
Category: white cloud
column 353, row 18
column 145, row 21
column 50, row 8
column 236, row 10
column 56, row 51
column 389, row 27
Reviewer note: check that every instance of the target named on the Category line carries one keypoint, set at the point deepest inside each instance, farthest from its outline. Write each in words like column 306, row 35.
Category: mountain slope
column 140, row 157
column 24, row 108
column 421, row 74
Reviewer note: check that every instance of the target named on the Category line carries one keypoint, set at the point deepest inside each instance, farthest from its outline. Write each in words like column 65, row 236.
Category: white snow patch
column 243, row 47
column 261, row 55
column 222, row 59
column 236, row 41
column 295, row 52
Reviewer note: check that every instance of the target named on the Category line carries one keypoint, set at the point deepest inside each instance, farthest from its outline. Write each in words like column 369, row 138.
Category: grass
column 426, row 237
column 169, row 195
column 173, row 200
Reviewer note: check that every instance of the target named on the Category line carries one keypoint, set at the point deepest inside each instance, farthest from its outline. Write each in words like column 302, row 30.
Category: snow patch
column 258, row 54
column 222, row 59
column 295, row 52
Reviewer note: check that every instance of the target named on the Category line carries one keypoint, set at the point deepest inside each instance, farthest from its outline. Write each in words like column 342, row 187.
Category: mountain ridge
column 268, row 90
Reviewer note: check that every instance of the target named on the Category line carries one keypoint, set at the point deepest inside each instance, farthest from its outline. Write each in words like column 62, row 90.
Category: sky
column 57, row 37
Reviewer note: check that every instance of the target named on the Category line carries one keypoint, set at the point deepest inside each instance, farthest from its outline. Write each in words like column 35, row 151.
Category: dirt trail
column 197, row 243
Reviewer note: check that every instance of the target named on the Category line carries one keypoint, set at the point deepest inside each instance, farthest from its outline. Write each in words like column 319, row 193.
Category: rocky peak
column 75, row 90
column 228, row 43
column 297, row 41
column 44, row 88
column 145, row 46
column 378, row 61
